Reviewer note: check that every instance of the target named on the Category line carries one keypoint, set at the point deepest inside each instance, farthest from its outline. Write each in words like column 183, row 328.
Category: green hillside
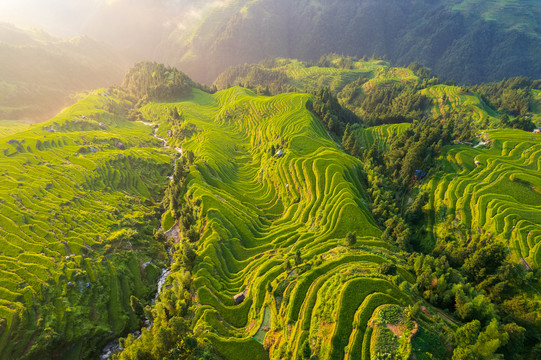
column 76, row 228
column 274, row 228
column 379, row 136
column 380, row 93
column 294, row 228
column 508, row 13
column 333, row 71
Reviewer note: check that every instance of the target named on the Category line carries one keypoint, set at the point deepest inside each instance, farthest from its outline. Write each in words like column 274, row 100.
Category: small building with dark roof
column 239, row 298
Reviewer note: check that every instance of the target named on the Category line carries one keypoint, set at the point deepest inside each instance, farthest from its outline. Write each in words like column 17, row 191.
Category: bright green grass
column 9, row 127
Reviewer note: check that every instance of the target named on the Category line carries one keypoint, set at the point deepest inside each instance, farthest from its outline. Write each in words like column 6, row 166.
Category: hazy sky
column 67, row 18
column 59, row 17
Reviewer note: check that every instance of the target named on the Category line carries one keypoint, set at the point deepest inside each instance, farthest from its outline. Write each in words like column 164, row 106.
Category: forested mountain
column 462, row 40
column 38, row 72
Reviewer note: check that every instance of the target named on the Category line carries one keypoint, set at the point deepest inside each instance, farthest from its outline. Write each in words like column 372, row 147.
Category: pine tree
column 351, row 239
column 298, row 259
column 347, row 132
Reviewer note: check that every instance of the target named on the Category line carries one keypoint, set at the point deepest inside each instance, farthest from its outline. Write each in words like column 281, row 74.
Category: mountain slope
column 272, row 227
column 494, row 188
column 282, row 242
column 466, row 41
column 76, row 226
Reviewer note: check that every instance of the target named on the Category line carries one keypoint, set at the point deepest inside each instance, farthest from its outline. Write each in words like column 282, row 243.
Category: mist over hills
column 465, row 41
column 39, row 72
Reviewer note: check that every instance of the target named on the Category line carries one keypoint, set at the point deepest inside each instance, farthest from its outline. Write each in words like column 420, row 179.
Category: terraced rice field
column 384, row 75
column 509, row 12
column 308, row 78
column 258, row 210
column 449, row 99
column 8, row 127
column 501, row 195
column 314, row 77
column 380, row 135
column 64, row 193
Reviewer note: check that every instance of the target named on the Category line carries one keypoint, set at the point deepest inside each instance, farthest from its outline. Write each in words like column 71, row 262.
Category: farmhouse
column 239, row 298
column 279, row 153
column 477, row 163
column 537, row 131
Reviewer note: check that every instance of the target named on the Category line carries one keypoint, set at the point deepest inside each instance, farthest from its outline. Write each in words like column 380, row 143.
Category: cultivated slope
column 74, row 229
column 501, row 194
column 354, row 80
column 333, row 71
column 259, row 211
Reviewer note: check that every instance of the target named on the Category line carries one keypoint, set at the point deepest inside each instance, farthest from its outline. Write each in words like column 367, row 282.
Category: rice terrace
column 338, row 207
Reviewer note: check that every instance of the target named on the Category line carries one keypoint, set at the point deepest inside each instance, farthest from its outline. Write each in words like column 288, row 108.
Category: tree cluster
column 182, row 209
column 392, row 104
column 260, row 77
column 335, row 117
column 153, row 81
column 512, row 96
column 472, row 276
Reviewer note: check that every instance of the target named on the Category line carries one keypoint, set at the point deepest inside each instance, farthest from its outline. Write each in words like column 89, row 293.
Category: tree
column 463, row 306
column 351, row 239
column 137, row 306
column 467, row 334
column 387, row 268
column 347, row 132
column 190, row 157
column 287, row 265
column 298, row 259
column 306, row 352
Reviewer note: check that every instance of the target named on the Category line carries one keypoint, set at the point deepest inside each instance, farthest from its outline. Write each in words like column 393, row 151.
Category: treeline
column 389, row 102
column 171, row 335
column 394, row 174
column 263, row 80
column 182, row 209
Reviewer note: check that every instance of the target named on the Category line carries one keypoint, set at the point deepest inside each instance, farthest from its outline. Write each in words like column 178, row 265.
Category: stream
column 113, row 347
